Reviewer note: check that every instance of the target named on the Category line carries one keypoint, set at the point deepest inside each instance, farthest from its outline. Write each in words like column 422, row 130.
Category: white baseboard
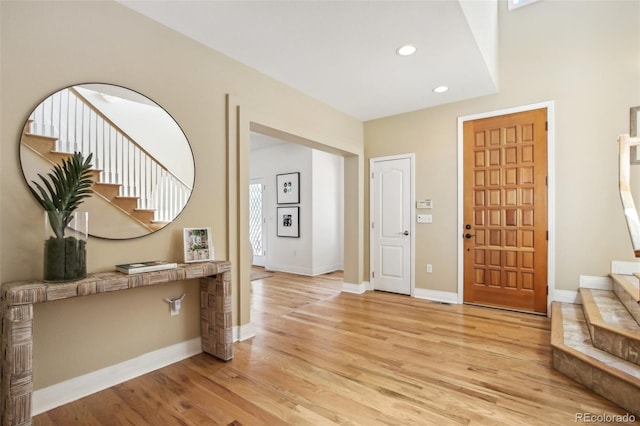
column 297, row 270
column 595, row 283
column 326, row 269
column 435, row 295
column 243, row 332
column 624, row 268
column 307, row 272
column 62, row 393
column 354, row 288
column 566, row 296
column 585, row 281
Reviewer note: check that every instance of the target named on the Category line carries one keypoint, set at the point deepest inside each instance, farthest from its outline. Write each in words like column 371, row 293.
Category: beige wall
column 582, row 55
column 585, row 56
column 49, row 45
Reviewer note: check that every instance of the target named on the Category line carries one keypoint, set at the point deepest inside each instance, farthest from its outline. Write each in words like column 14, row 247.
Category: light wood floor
column 324, row 357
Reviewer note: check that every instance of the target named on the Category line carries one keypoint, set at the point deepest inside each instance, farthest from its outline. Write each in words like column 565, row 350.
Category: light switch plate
column 425, row 218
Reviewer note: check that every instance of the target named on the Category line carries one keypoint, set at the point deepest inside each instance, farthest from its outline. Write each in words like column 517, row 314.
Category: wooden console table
column 16, row 322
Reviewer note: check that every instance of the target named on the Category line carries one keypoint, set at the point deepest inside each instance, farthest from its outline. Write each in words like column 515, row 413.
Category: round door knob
column 405, row 233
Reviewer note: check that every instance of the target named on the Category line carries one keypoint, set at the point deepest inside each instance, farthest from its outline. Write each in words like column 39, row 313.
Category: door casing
column 549, row 105
column 412, row 210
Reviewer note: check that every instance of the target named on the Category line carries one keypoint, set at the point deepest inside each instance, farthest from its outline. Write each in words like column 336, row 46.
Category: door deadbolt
column 467, row 226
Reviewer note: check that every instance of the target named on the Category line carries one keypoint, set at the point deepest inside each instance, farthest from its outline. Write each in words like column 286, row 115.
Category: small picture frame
column 289, row 222
column 198, row 246
column 288, row 188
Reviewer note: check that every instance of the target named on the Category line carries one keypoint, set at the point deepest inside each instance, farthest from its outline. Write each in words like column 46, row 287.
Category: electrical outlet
column 429, row 268
column 176, row 305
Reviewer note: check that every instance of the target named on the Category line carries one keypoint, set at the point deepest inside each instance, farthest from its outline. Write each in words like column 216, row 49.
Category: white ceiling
column 260, row 141
column 343, row 52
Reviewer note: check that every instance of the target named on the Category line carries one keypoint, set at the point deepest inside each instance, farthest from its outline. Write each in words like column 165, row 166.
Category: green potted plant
column 60, row 195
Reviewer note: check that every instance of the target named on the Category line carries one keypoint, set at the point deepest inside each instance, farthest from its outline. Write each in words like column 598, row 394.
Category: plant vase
column 65, row 246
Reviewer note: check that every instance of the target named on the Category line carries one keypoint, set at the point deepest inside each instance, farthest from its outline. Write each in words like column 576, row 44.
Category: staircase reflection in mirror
column 143, row 163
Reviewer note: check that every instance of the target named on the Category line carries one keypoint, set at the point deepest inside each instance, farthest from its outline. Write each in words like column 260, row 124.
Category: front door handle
column 469, row 235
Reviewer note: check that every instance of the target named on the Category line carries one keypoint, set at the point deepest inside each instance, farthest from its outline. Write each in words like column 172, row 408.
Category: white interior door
column 257, row 222
column 391, row 227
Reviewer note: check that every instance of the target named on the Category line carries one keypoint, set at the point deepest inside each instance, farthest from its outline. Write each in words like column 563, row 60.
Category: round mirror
column 142, row 161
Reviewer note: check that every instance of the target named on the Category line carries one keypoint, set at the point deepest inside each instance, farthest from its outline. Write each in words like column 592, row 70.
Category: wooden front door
column 505, row 211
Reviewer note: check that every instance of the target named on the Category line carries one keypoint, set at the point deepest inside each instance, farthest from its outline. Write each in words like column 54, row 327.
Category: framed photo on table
column 198, row 246
column 288, row 188
column 289, row 222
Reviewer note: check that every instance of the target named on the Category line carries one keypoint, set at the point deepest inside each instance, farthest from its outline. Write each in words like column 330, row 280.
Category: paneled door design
column 391, row 225
column 505, row 211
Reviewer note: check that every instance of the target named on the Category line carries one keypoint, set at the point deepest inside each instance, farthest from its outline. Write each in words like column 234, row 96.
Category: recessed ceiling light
column 406, row 50
column 440, row 89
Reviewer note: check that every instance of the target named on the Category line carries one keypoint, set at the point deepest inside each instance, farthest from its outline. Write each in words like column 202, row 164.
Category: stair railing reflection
column 625, row 143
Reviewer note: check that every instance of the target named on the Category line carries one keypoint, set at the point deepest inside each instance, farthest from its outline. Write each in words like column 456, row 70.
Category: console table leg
column 215, row 316
column 16, row 370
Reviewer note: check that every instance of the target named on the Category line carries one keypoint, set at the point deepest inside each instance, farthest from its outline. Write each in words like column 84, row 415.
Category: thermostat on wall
column 424, row 204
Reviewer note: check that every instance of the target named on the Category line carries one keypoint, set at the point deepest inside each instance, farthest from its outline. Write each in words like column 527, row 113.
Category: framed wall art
column 198, row 246
column 289, row 222
column 288, row 188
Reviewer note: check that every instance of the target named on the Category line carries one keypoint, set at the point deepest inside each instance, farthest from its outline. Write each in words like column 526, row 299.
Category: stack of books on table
column 137, row 268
